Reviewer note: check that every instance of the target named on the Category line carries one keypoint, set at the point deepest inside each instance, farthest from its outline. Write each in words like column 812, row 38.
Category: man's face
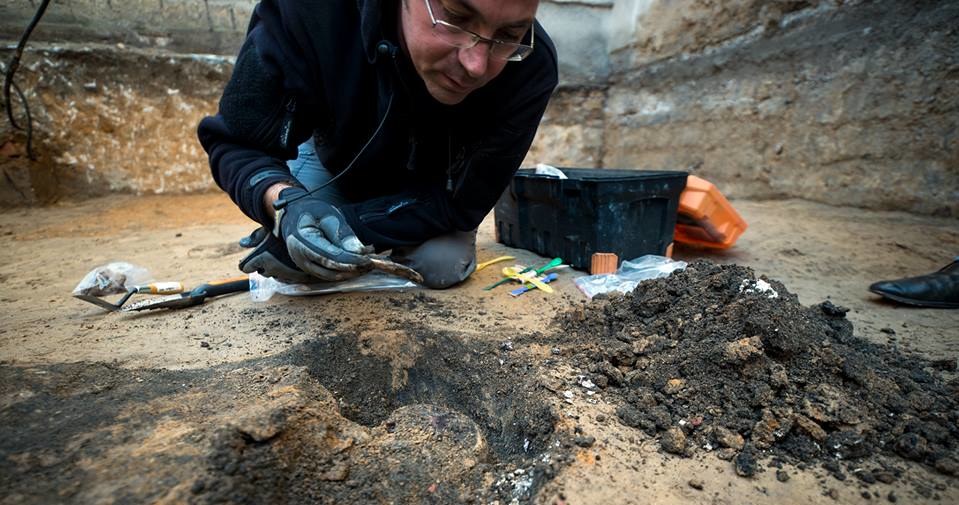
column 451, row 73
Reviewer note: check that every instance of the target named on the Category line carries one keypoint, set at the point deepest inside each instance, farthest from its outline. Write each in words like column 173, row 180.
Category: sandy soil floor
column 818, row 252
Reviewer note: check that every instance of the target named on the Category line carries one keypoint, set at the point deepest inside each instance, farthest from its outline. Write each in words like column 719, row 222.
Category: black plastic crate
column 627, row 212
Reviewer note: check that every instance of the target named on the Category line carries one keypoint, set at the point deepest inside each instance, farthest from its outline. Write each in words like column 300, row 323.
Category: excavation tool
column 155, row 288
column 196, row 296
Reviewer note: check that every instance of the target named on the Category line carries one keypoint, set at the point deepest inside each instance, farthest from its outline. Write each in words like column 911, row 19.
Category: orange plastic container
column 706, row 218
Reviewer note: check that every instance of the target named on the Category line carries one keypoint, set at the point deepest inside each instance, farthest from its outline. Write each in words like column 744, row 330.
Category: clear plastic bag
column 629, row 275
column 263, row 288
column 544, row 169
column 112, row 278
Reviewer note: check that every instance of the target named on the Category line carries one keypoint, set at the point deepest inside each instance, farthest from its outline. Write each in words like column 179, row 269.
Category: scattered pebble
column 743, row 350
column 696, row 484
column 726, row 454
column 673, row 440
column 728, row 438
column 745, row 463
column 912, row 446
column 947, row 466
column 674, row 386
column 884, row 477
column 782, row 476
column 866, row 477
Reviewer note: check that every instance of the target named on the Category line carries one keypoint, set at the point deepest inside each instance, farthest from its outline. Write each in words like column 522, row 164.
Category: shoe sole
column 918, row 303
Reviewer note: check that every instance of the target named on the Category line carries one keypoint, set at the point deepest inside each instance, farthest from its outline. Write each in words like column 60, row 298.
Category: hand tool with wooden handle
column 196, row 296
column 154, row 288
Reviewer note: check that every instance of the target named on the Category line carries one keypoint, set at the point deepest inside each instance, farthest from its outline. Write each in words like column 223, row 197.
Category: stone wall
column 838, row 101
column 578, row 27
column 192, row 26
column 847, row 103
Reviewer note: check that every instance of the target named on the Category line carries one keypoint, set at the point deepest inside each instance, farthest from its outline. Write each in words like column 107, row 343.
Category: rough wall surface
column 578, row 27
column 854, row 105
column 579, row 30
column 107, row 121
column 203, row 26
column 645, row 31
column 572, row 131
column 838, row 101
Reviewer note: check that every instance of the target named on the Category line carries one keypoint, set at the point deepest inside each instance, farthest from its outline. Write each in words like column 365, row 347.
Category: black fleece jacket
column 333, row 69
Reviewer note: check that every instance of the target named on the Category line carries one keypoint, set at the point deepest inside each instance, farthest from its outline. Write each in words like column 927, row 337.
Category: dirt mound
column 714, row 359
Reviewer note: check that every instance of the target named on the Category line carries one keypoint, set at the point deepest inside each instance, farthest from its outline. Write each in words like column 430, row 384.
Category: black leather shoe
column 271, row 259
column 938, row 289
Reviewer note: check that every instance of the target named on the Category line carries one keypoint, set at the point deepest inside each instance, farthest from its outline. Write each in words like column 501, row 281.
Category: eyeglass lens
column 459, row 37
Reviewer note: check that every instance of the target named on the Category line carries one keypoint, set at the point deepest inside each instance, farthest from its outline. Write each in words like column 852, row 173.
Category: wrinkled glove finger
column 319, row 235
column 317, row 265
column 337, row 231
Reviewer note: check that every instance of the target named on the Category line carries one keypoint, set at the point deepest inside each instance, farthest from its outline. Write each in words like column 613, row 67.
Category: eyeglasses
column 465, row 39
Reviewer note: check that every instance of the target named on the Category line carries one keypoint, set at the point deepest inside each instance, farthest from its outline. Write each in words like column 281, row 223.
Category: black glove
column 319, row 239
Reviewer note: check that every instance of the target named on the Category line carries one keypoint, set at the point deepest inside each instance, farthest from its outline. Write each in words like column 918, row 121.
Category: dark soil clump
column 736, row 363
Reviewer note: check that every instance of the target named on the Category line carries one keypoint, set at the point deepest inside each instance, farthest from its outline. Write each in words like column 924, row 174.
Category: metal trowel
column 155, row 288
column 196, row 296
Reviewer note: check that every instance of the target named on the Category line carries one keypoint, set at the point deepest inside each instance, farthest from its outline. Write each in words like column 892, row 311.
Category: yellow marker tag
column 492, row 261
column 528, row 277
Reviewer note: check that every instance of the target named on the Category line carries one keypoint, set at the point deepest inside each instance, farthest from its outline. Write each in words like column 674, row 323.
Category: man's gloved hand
column 319, row 239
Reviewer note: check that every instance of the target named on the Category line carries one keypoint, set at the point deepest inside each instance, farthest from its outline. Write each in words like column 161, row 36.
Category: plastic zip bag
column 111, row 279
column 629, row 275
column 263, row 288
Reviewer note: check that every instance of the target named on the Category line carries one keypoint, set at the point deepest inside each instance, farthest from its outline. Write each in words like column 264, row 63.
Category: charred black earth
column 714, row 359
